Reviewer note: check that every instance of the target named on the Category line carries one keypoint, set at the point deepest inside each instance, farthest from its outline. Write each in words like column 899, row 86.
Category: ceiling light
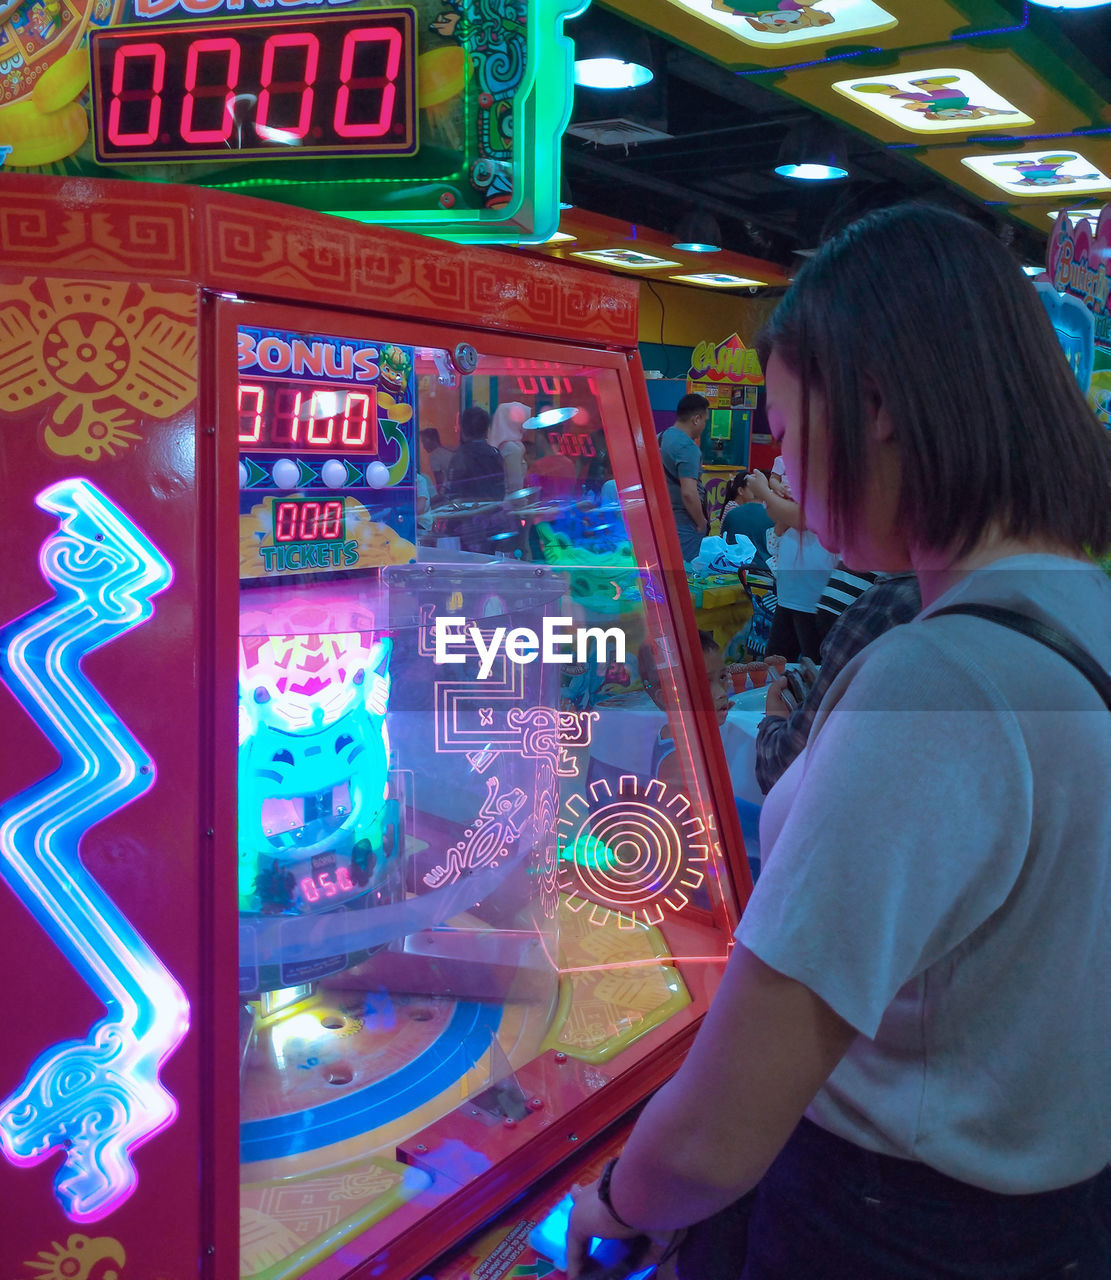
column 1069, row 4
column 611, row 73
column 549, row 418
column 813, row 152
column 697, row 232
column 611, row 54
column 1034, row 271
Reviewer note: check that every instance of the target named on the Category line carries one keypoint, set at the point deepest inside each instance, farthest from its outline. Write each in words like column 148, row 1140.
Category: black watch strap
column 604, row 1193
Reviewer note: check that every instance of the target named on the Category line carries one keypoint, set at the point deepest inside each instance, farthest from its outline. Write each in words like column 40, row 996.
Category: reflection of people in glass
column 439, row 458
column 476, row 473
column 550, row 471
column 507, row 436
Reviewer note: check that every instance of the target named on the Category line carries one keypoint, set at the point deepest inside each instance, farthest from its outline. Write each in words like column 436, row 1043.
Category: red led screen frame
column 330, row 84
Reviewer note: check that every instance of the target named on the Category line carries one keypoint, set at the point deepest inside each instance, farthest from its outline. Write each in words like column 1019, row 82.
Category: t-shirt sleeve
column 907, row 830
column 688, row 460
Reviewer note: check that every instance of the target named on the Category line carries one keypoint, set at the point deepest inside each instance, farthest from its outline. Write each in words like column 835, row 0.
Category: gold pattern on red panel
column 284, row 1225
column 611, row 993
column 106, row 355
column 80, row 1258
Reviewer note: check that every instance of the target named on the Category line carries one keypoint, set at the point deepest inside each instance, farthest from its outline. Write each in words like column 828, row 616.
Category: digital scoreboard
column 326, row 85
column 443, row 117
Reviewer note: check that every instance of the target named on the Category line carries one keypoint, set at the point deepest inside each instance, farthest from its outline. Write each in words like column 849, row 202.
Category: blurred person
column 507, row 436
column 743, row 513
column 439, row 458
column 682, row 459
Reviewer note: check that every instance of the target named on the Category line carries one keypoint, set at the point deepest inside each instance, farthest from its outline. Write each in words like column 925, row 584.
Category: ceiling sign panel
column 938, row 100
column 1039, row 172
column 780, row 33
column 780, row 24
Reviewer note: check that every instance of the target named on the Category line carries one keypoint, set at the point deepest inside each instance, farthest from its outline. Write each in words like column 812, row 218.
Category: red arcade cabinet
column 333, row 918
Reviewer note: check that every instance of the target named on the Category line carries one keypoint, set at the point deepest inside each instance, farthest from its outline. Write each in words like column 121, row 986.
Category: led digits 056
column 322, row 85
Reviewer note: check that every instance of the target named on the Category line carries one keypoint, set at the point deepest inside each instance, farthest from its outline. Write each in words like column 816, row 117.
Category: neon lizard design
column 94, row 1100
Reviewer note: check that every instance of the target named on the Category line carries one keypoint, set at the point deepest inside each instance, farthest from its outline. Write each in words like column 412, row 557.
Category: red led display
column 277, row 416
column 307, row 520
column 321, row 85
column 571, row 445
column 326, row 883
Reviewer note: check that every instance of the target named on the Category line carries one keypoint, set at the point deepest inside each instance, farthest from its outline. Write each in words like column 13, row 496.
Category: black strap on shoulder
column 1053, row 639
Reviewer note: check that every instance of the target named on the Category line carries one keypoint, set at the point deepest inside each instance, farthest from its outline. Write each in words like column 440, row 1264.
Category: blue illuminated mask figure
column 313, row 769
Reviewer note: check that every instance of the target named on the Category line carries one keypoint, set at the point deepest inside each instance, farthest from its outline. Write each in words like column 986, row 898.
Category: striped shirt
column 893, row 600
column 845, row 586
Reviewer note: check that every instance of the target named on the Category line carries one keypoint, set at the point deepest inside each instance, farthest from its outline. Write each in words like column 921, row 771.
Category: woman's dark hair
column 474, row 423
column 735, row 485
column 931, row 313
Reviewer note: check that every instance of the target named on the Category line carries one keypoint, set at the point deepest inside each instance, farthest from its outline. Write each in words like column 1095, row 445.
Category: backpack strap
column 1053, row 639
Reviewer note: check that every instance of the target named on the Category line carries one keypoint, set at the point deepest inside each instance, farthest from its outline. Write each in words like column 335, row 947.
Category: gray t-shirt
column 938, row 871
column 682, row 458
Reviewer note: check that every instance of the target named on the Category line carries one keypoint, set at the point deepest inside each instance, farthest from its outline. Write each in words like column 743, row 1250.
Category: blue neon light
column 98, row 1099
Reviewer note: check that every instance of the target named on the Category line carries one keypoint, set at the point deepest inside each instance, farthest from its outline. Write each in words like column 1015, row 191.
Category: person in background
column 425, row 518
column 439, row 458
column 905, row 1068
column 845, row 586
column 507, row 436
column 476, row 473
column 549, row 470
column 802, row 569
column 682, row 459
column 892, row 600
column 743, row 513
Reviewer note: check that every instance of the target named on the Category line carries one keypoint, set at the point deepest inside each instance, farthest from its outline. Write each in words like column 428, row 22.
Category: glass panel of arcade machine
column 459, row 873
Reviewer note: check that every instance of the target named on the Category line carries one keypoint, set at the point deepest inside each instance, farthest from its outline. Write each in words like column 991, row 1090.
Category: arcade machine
column 323, row 943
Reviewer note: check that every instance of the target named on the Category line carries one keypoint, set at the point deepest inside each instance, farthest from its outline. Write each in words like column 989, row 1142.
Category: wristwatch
column 604, row 1193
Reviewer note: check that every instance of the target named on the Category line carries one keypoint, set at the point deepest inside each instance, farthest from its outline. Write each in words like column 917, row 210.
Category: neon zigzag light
column 94, row 1100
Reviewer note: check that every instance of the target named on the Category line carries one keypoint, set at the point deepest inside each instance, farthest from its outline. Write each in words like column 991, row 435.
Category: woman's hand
column 773, row 703
column 590, row 1218
column 756, row 483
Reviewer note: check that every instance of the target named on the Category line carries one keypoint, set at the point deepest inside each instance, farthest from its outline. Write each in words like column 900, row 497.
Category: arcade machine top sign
column 440, row 116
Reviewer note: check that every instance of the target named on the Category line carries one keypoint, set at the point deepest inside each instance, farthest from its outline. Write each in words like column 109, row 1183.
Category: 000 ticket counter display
column 327, row 928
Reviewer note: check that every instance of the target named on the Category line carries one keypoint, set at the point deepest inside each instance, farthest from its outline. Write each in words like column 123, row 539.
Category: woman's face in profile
column 785, row 417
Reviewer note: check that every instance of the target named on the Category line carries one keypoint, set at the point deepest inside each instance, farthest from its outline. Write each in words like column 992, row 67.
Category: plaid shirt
column 891, row 602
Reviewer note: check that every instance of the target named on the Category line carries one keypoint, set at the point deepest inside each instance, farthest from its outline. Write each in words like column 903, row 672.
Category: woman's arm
column 786, row 513
column 707, row 1137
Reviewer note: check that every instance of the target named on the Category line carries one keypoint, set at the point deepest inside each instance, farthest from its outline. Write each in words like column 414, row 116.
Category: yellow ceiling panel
column 778, row 33
column 1040, row 174
column 952, row 91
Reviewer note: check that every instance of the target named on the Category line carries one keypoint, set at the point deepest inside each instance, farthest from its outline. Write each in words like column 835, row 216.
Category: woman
column 909, row 1054
column 743, row 513
column 507, row 436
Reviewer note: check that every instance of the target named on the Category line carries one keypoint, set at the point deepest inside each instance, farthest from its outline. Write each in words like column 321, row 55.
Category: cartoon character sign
column 777, row 18
column 313, row 769
column 936, row 98
column 1031, row 172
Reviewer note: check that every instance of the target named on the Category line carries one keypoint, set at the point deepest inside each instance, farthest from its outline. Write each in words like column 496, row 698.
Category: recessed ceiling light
column 1069, row 4
column 1034, row 271
column 611, row 73
column 1092, row 215
column 811, row 172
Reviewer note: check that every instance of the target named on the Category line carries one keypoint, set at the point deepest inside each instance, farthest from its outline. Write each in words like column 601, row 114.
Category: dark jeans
column 793, row 634
column 829, row 1210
